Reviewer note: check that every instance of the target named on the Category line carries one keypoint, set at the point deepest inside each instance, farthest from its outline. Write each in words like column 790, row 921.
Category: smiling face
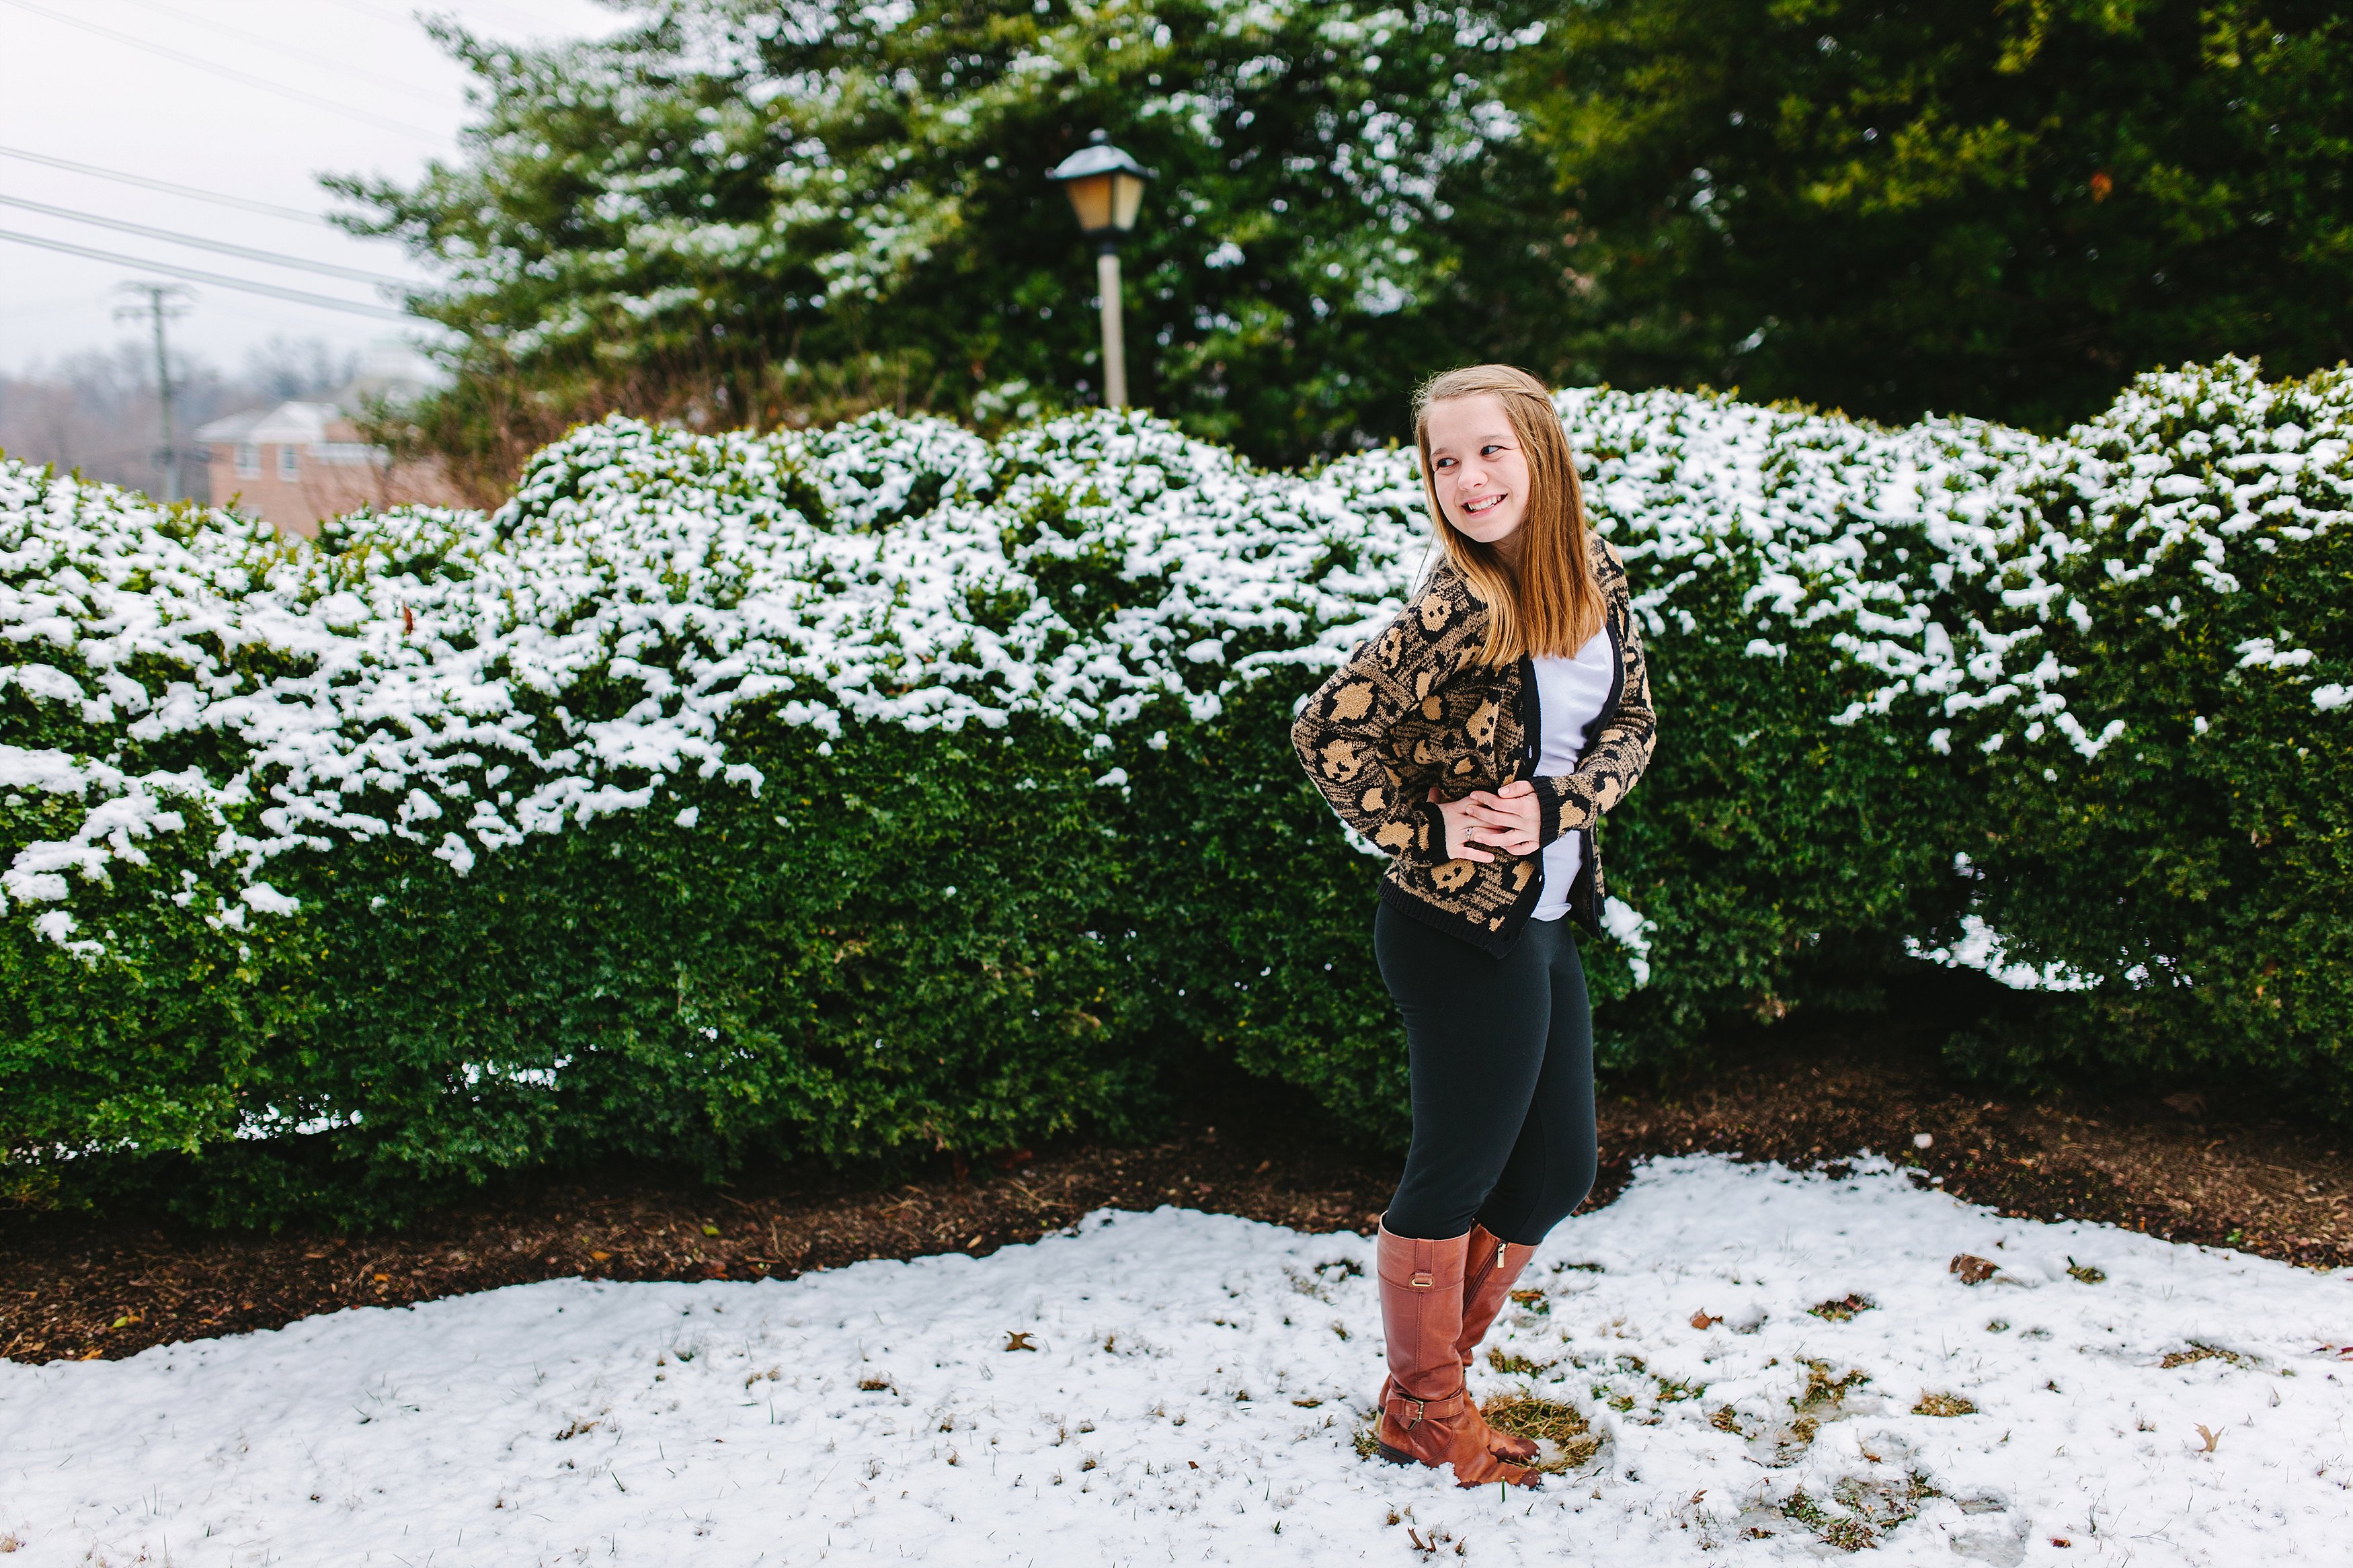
column 1477, row 468
column 1506, row 509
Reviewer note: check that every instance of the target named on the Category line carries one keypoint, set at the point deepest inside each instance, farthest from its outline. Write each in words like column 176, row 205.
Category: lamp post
column 1106, row 188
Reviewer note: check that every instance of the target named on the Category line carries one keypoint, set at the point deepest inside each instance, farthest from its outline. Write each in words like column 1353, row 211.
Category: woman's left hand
column 1505, row 819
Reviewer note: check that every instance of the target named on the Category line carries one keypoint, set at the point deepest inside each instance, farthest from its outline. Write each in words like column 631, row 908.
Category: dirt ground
column 2222, row 1175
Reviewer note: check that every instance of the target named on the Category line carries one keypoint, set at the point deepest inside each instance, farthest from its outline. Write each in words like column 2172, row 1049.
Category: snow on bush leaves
column 423, row 664
column 1873, row 648
column 420, row 663
column 2167, row 801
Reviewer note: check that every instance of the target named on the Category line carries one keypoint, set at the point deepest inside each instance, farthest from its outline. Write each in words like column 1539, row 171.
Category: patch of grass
column 2087, row 1273
column 1532, row 1302
column 1868, row 1509
column 875, row 1385
column 1723, row 1419
column 1823, row 1397
column 1546, row 1421
column 1844, row 1309
column 1518, row 1365
column 1943, row 1404
column 1885, row 1503
column 1793, row 1440
column 1366, row 1438
column 1581, row 1268
column 2199, row 1351
column 1318, row 1282
column 1824, row 1392
column 1835, row 1529
column 1673, row 1389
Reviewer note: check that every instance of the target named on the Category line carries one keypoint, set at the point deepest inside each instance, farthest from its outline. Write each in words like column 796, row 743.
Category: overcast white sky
column 363, row 89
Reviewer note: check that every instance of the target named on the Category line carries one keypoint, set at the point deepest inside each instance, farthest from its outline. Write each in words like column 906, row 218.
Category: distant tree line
column 732, row 213
column 94, row 412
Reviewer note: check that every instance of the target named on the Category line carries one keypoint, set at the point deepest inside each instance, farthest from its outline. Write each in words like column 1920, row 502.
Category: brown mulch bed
column 2227, row 1175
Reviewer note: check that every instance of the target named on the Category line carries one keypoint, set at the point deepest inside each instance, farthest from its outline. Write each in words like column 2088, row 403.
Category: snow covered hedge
column 2164, row 767
column 882, row 789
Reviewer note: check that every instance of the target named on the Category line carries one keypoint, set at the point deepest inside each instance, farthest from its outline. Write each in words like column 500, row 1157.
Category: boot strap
column 1400, row 1407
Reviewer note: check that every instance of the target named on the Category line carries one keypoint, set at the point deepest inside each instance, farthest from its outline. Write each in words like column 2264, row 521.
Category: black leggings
column 1501, row 1054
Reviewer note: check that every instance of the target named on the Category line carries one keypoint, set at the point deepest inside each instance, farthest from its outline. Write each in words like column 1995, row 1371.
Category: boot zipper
column 1476, row 1278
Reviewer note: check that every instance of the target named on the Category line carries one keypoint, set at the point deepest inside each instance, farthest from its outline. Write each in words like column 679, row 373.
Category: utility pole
column 160, row 302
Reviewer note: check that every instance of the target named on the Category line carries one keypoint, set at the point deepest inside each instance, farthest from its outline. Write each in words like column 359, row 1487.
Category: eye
column 1491, row 448
column 1443, row 463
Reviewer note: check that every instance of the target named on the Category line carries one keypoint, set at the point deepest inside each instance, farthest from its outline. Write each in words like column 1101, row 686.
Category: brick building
column 298, row 462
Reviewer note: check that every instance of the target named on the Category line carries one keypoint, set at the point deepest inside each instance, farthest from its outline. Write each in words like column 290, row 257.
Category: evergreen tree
column 2002, row 209
column 735, row 214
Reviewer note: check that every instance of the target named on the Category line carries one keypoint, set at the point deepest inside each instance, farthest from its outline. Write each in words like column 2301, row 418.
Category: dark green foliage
column 1244, row 894
column 1045, row 928
column 1781, row 854
column 1949, row 206
column 2195, row 872
column 730, row 215
column 792, row 976
column 151, row 1047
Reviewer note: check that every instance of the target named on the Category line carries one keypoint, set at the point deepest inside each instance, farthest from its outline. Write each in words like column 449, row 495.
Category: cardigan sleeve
column 1613, row 760
column 1348, row 735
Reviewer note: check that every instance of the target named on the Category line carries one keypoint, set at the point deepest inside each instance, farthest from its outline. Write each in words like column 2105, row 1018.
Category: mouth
column 1484, row 505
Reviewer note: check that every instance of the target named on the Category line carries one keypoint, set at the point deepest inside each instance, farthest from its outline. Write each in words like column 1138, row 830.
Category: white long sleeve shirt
column 1570, row 693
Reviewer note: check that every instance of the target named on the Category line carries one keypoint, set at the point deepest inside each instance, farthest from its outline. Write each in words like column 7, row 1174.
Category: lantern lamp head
column 1105, row 187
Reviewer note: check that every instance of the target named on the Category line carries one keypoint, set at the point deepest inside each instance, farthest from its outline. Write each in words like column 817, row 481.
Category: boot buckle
column 1424, row 1280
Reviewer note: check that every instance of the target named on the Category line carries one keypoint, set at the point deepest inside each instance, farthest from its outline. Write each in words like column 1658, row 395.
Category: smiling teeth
column 1491, row 502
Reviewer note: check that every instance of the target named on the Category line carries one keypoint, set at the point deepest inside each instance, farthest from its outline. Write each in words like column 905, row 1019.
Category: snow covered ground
column 1184, row 1387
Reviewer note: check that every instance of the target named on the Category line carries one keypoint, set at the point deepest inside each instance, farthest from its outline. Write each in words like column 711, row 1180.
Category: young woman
column 1478, row 741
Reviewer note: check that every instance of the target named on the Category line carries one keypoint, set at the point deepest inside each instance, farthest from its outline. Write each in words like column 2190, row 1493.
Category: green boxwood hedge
column 883, row 791
column 2165, row 820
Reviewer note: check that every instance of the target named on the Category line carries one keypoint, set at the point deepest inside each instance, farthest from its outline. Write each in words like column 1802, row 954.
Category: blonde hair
column 1551, row 605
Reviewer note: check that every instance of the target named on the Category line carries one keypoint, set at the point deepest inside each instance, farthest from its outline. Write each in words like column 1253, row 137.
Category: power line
column 267, row 209
column 199, row 63
column 245, row 252
column 219, row 280
column 530, row 18
column 296, row 50
column 386, row 12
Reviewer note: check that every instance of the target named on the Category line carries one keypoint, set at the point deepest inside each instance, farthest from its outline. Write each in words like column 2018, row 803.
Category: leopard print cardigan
column 1414, row 708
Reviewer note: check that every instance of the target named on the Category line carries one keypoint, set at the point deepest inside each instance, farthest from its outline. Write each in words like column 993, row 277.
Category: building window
column 288, row 466
column 249, row 460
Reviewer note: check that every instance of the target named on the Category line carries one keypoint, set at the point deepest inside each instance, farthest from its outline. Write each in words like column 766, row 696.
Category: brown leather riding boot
column 1426, row 1416
column 1490, row 1266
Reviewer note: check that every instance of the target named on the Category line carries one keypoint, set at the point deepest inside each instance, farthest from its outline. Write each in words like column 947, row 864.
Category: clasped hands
column 1505, row 819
